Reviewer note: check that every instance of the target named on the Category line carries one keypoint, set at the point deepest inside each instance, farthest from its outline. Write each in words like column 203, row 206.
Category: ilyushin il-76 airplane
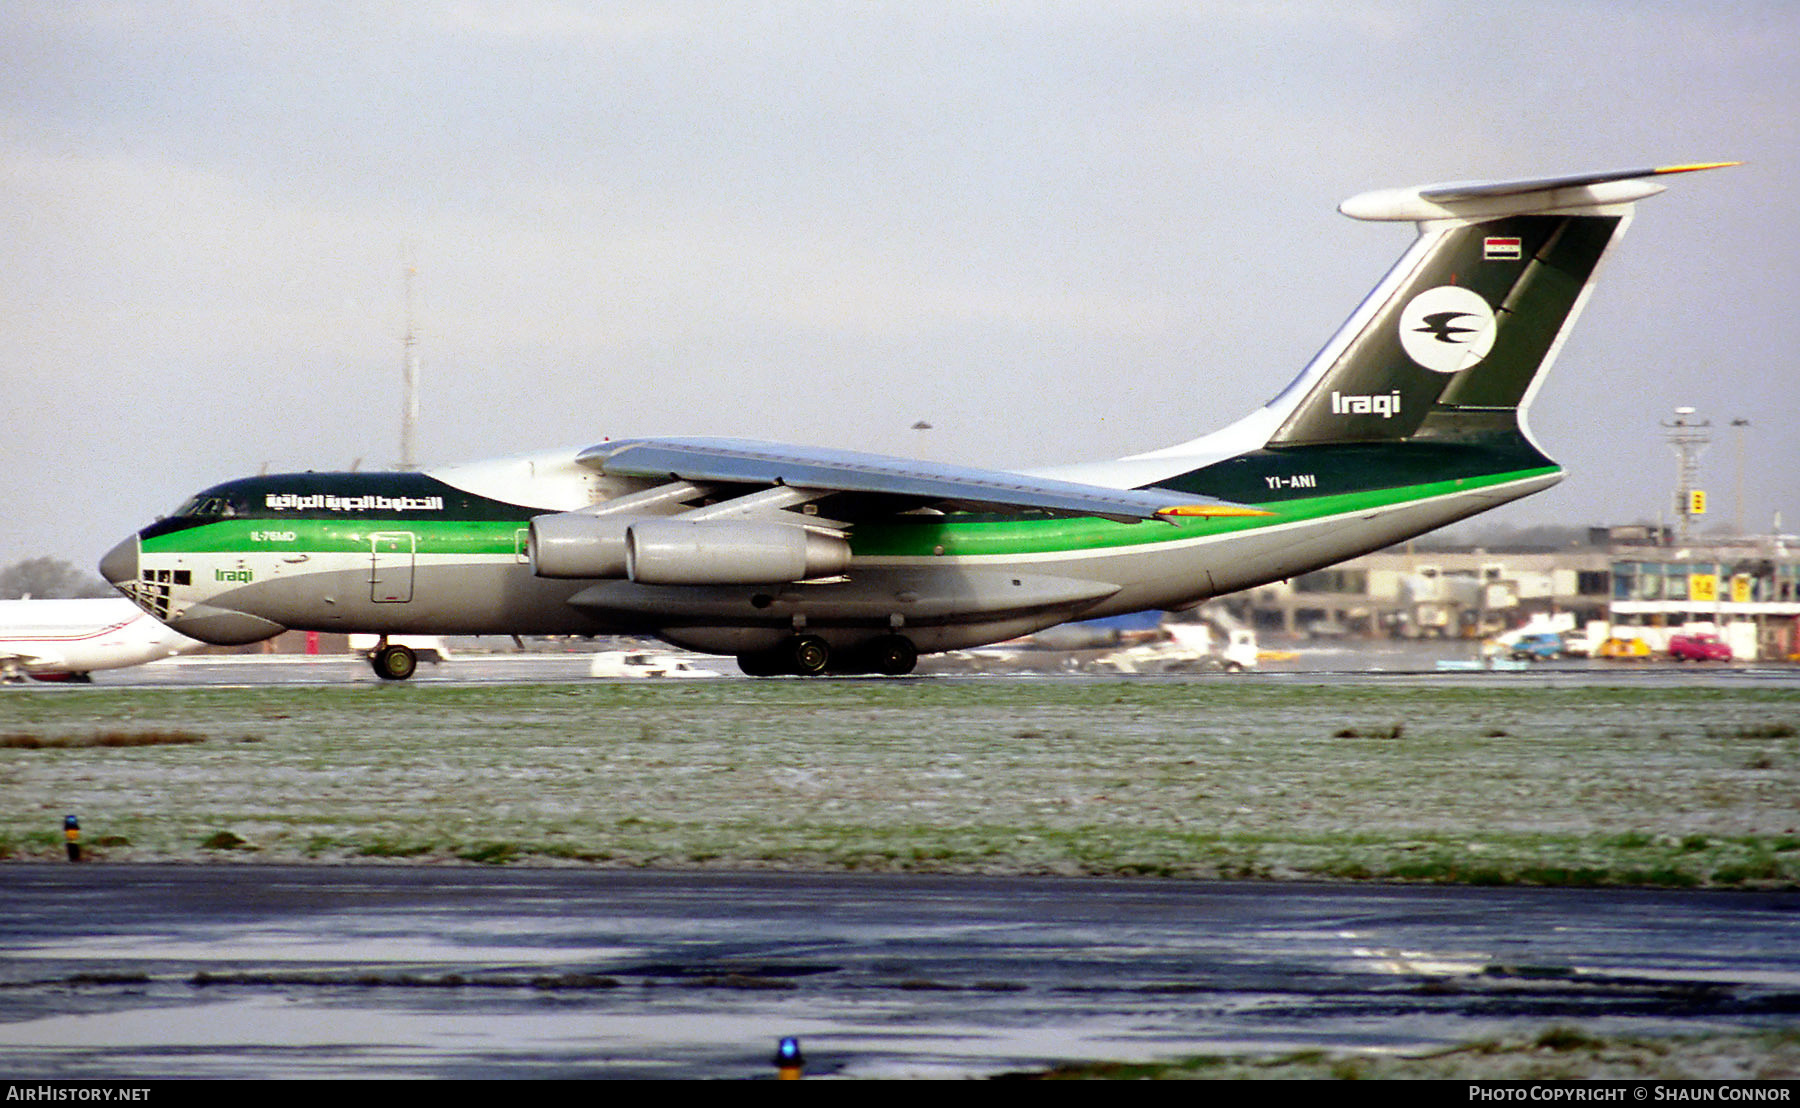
column 806, row 561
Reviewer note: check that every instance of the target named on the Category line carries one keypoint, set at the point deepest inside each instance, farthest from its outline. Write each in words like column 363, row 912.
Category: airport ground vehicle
column 1577, row 644
column 1699, row 647
column 1623, row 648
column 1538, row 647
column 644, row 663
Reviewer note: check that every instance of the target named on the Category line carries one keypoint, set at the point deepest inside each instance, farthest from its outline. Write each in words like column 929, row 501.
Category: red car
column 1699, row 648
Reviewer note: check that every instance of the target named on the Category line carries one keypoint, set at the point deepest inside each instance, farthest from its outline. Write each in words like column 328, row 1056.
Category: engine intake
column 729, row 552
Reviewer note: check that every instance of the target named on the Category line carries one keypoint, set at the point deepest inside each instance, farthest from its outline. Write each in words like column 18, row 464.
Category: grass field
column 1680, row 786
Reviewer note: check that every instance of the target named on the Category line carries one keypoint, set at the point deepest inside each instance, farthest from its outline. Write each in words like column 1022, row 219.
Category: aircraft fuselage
column 326, row 552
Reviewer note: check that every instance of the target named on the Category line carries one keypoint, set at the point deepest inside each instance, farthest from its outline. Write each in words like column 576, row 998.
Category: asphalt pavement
column 253, row 970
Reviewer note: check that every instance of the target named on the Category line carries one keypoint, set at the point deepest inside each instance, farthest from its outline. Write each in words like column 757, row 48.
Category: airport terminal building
column 1634, row 579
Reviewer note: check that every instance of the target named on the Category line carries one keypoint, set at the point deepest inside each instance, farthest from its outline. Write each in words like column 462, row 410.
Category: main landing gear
column 392, row 661
column 810, row 655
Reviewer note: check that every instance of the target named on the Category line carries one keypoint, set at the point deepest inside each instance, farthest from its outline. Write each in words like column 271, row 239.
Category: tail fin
column 1442, row 358
column 1460, row 332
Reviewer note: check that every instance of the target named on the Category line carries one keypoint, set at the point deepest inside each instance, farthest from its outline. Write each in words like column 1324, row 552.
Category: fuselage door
column 391, row 572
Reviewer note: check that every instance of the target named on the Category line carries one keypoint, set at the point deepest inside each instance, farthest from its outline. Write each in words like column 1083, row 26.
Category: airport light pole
column 409, row 401
column 1737, row 514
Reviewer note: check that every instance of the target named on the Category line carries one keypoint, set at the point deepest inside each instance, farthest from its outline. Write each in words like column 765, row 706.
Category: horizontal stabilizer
column 1487, row 199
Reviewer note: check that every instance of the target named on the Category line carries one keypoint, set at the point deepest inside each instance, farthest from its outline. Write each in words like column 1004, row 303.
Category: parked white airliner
column 65, row 640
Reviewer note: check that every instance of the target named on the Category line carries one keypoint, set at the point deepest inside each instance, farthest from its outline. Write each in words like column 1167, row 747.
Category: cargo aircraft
column 808, row 561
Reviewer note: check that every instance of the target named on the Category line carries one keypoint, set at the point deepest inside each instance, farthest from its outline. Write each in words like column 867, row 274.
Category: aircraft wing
column 750, row 462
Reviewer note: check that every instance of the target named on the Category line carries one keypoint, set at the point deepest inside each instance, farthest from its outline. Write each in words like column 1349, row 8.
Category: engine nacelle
column 729, row 552
column 577, row 545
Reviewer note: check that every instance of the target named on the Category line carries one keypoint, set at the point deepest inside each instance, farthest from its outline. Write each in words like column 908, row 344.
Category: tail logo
column 1447, row 329
column 1441, row 325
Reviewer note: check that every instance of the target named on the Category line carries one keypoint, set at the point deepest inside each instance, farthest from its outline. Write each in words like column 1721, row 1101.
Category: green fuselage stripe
column 958, row 535
column 971, row 536
column 338, row 536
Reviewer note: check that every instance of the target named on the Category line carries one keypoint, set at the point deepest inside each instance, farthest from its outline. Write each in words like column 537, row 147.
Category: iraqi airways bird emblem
column 1447, row 329
column 1439, row 326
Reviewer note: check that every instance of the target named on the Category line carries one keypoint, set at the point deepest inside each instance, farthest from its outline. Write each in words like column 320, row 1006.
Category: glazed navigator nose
column 120, row 566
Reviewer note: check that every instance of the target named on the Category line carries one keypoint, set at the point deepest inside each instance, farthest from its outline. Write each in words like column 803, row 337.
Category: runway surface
column 248, row 970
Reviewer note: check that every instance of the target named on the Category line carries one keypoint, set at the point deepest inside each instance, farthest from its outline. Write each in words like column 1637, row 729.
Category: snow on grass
column 1492, row 784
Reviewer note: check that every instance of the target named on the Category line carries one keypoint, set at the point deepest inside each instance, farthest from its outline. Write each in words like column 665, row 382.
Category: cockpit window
column 206, row 507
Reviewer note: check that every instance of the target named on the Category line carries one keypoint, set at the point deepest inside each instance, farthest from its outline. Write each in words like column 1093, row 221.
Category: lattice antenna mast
column 1688, row 437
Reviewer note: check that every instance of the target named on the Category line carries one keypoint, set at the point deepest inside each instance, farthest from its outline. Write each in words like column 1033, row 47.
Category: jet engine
column 576, row 545
column 729, row 552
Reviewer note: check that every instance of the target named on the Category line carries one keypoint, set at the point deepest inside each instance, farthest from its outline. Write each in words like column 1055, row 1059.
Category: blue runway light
column 788, row 1058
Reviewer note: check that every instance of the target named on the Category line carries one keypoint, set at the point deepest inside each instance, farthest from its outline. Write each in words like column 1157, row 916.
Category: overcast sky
column 1054, row 231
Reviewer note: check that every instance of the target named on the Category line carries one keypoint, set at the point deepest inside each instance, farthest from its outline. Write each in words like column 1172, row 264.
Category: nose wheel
column 393, row 662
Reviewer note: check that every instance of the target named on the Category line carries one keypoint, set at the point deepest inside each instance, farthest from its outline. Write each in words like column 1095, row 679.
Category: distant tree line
column 49, row 578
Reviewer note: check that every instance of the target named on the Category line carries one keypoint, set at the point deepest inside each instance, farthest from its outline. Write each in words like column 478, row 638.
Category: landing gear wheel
column 394, row 662
column 893, row 655
column 807, row 655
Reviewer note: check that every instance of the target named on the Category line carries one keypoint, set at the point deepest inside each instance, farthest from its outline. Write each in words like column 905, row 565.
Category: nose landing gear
column 393, row 661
